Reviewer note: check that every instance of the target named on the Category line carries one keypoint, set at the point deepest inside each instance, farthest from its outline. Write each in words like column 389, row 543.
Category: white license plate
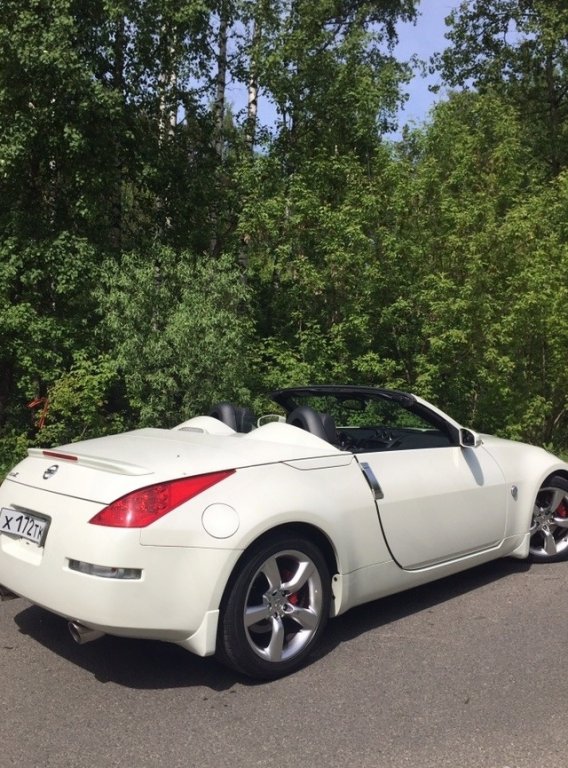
column 23, row 524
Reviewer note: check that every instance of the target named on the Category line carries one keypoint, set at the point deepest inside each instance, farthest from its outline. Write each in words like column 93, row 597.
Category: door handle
column 372, row 480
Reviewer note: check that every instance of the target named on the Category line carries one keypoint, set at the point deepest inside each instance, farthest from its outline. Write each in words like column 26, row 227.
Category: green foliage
column 519, row 49
column 13, row 447
column 472, row 169
column 46, row 308
column 329, row 68
column 151, row 263
column 312, row 254
column 180, row 332
column 78, row 403
column 536, row 324
column 485, row 249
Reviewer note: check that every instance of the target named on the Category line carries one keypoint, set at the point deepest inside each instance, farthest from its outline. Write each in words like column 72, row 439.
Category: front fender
column 525, row 468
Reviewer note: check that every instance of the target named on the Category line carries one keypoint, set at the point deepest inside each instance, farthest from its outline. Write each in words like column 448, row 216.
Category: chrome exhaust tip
column 82, row 634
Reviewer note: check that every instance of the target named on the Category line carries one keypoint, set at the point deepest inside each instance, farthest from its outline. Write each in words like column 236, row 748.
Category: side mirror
column 469, row 438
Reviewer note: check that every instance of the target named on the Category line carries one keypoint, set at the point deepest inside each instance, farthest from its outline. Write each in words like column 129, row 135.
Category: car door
column 439, row 503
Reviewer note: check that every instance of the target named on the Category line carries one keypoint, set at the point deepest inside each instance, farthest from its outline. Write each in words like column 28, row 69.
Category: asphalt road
column 466, row 672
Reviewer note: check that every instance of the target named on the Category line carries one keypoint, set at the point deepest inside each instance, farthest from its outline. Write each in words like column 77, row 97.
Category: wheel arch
column 303, row 530
column 557, row 473
column 530, row 490
column 549, row 542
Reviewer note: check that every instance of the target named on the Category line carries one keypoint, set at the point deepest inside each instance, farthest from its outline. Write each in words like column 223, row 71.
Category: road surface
column 464, row 673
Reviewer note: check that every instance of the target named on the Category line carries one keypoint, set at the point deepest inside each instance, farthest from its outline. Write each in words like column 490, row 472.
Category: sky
column 424, row 38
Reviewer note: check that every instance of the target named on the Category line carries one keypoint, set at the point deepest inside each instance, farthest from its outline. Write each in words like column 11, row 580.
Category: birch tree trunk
column 252, row 86
column 220, row 82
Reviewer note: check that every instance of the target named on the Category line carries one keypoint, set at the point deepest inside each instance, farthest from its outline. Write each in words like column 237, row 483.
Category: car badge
column 50, row 471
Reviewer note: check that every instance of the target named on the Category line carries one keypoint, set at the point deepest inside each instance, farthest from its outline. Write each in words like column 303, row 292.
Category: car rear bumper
column 174, row 597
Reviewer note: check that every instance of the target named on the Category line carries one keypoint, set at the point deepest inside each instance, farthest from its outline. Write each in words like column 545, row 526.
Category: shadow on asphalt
column 145, row 664
column 381, row 612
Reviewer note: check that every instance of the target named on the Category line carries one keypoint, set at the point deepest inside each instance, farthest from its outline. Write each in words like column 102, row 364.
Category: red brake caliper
column 562, row 509
column 293, row 598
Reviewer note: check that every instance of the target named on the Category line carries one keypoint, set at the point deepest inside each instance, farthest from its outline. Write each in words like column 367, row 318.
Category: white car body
column 434, row 511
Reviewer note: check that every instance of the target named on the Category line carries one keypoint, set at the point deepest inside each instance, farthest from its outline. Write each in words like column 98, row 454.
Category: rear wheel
column 549, row 529
column 276, row 608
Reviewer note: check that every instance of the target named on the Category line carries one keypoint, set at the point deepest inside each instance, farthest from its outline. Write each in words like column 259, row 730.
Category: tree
column 535, row 235
column 451, row 270
column 181, row 333
column 87, row 169
column 309, row 204
column 329, row 69
column 518, row 48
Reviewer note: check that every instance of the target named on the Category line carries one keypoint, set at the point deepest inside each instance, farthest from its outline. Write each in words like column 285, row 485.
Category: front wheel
column 549, row 529
column 275, row 609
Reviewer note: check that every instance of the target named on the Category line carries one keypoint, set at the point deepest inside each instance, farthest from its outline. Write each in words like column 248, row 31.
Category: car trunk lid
column 96, row 470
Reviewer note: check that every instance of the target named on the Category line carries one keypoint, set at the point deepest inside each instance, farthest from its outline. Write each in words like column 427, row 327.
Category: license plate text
column 23, row 524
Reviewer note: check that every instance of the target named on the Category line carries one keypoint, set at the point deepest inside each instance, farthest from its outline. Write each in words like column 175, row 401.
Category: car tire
column 549, row 528
column 275, row 609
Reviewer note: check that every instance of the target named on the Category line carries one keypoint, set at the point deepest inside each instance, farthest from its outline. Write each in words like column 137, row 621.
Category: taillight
column 142, row 507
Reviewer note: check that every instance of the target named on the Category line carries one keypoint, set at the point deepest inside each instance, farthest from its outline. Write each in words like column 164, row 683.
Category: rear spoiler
column 92, row 462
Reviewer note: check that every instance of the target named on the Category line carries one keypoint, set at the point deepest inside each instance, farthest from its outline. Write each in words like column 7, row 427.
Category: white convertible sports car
column 240, row 537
